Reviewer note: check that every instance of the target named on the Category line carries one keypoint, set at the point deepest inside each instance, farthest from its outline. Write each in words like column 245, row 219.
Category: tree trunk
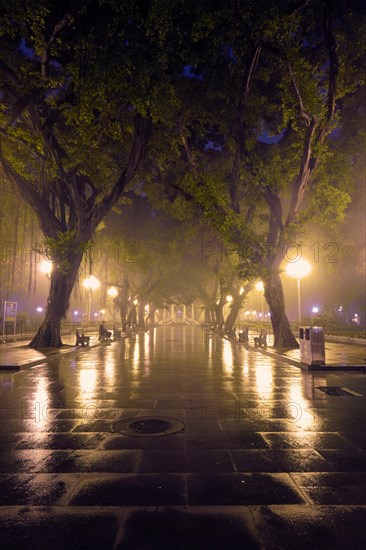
column 219, row 315
column 141, row 315
column 273, row 292
column 151, row 316
column 49, row 333
column 234, row 312
column 122, row 299
column 132, row 314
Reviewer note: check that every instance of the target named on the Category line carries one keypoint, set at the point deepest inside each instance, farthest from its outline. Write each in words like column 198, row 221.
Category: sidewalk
column 338, row 356
column 15, row 355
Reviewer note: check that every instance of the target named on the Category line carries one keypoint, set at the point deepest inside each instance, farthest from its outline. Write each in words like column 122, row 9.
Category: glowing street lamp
column 91, row 283
column 298, row 270
column 112, row 292
column 46, row 267
column 229, row 298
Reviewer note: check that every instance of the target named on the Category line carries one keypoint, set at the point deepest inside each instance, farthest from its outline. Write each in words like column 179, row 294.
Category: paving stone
column 209, row 461
column 304, row 527
column 162, row 461
column 280, row 460
column 195, row 528
column 132, row 490
column 248, row 489
column 36, row 528
column 304, row 440
column 58, row 441
column 345, row 460
column 226, row 440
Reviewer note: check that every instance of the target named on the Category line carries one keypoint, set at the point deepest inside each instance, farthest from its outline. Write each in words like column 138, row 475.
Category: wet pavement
column 266, row 458
column 338, row 354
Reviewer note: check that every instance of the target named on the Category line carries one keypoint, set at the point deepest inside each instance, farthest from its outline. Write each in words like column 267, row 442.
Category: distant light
column 315, row 309
column 46, row 267
column 136, row 302
column 229, row 298
column 112, row 292
column 102, row 312
column 356, row 314
column 91, row 283
column 340, row 308
column 259, row 286
column 95, row 314
column 39, row 309
column 76, row 312
column 241, row 290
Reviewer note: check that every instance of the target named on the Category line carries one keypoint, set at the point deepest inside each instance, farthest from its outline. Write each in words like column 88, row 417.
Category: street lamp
column 91, row 283
column 112, row 292
column 46, row 267
column 298, row 270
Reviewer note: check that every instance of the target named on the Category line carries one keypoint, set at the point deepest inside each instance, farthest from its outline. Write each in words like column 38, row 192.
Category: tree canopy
column 238, row 102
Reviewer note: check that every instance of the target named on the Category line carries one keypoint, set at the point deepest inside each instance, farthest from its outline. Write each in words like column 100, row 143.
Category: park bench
column 213, row 328
column 104, row 334
column 260, row 341
column 244, row 335
column 117, row 334
column 81, row 338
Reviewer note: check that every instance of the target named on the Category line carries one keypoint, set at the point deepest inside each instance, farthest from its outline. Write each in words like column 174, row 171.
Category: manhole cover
column 335, row 391
column 144, row 425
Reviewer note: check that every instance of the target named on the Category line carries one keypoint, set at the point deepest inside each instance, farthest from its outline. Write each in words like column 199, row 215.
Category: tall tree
column 267, row 81
column 76, row 87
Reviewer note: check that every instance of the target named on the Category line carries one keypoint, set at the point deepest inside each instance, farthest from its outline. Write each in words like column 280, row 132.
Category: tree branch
column 303, row 113
column 306, row 168
column 49, row 223
column 46, row 54
column 252, row 66
column 139, row 141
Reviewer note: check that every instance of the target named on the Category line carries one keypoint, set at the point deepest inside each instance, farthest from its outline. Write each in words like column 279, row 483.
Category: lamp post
column 112, row 292
column 91, row 283
column 298, row 270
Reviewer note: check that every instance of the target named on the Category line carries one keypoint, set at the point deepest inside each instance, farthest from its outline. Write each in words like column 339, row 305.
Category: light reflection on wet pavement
column 266, row 460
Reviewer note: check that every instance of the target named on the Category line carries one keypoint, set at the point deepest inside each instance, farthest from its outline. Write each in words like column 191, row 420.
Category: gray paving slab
column 266, row 458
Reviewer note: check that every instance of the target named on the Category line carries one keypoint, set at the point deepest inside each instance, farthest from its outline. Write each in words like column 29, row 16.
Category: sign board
column 10, row 316
column 10, row 312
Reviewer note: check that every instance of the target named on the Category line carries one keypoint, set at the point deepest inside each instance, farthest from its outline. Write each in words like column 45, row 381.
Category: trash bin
column 312, row 345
